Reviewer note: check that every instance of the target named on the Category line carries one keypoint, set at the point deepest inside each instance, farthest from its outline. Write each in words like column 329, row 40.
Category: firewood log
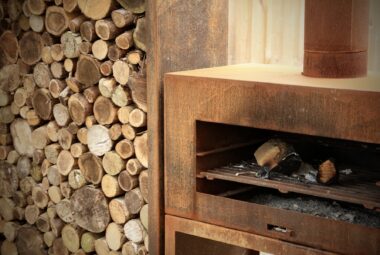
column 30, row 47
column 121, row 96
column 43, row 223
column 22, row 137
column 135, row 6
column 140, row 33
column 36, row 7
column 110, row 186
column 134, row 200
column 52, row 151
column 115, row 236
column 9, row 248
column 327, row 173
column 31, row 214
column 107, row 86
column 71, row 236
column 91, row 167
column 96, row 9
column 98, row 140
column 79, row 108
column 65, row 211
column 55, row 194
column 57, row 70
column 115, row 53
column 59, row 247
column 101, row 246
column 54, row 176
column 70, row 44
column 82, row 135
column 56, row 87
column 20, row 97
column 9, row 46
column 52, row 131
column 12, row 157
column 65, row 138
column 119, row 211
column 122, row 17
column 29, row 241
column 134, row 57
column 137, row 84
column 115, row 131
column 123, row 113
column 87, row 31
column 130, row 248
column 5, row 97
column 57, row 20
column 42, row 103
column 40, row 138
column 88, row 241
column 106, row 29
column 40, row 197
column 61, row 115
column 120, row 70
column 46, row 55
column 88, row 71
column 26, row 185
column 106, row 68
column 65, row 162
column 137, row 118
column 91, row 93
column 141, row 149
column 100, row 49
column 49, row 238
column 104, row 111
column 112, row 163
column 125, row 40
column 130, row 132
column 86, row 200
column 144, row 184
column 125, row 149
column 78, row 149
column 10, row 77
column 36, row 23
column 70, row 64
column 38, row 157
column 126, row 181
column 76, row 179
column 32, row 118
column 134, row 231
column 56, row 51
column 70, row 5
column 10, row 230
column 144, row 215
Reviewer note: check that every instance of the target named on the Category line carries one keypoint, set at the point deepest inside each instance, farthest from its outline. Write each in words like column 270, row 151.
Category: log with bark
column 73, row 143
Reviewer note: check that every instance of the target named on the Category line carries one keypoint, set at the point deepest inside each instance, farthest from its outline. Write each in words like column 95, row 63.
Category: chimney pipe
column 336, row 38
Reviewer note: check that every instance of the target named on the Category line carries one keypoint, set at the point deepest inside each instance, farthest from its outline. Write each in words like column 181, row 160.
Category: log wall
column 73, row 119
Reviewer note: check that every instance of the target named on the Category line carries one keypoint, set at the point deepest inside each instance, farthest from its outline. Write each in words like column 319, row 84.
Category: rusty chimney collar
column 336, row 38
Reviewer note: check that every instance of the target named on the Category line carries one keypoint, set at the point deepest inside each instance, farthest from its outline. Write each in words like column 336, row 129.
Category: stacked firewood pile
column 73, row 116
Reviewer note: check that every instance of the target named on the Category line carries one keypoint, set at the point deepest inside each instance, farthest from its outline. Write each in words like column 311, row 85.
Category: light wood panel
column 272, row 31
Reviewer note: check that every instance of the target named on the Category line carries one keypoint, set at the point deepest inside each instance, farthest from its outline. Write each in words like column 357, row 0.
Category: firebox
column 215, row 120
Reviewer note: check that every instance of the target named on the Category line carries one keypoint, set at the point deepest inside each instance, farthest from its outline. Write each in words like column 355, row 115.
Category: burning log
column 327, row 173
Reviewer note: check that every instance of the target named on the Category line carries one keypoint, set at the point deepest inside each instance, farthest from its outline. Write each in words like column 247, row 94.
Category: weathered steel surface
column 182, row 35
column 230, row 236
column 336, row 38
column 256, row 96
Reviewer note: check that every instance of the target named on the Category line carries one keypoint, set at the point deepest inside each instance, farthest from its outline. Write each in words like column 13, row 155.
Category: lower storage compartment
column 313, row 222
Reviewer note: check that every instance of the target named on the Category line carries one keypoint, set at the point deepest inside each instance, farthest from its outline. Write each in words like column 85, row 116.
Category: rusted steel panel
column 182, row 35
column 233, row 237
column 336, row 38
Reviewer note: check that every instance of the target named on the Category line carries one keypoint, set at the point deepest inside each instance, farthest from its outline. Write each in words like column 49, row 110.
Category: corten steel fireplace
column 218, row 116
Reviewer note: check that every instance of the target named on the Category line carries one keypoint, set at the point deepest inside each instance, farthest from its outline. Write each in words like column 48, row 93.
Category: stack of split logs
column 73, row 115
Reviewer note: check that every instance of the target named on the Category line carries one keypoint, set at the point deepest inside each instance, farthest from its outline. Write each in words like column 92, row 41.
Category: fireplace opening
column 226, row 166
